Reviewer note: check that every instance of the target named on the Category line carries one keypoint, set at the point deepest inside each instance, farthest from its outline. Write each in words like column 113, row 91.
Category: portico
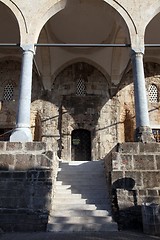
column 107, row 48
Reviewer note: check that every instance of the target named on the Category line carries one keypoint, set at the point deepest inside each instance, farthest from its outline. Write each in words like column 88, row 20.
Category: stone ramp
column 81, row 201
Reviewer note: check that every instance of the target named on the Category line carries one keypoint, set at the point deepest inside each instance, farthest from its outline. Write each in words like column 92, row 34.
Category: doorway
column 81, row 145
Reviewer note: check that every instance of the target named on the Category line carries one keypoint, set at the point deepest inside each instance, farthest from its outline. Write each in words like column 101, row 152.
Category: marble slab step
column 79, row 220
column 82, row 182
column 82, row 206
column 59, row 201
column 81, row 174
column 84, row 195
column 76, row 212
column 81, row 178
column 74, row 187
column 82, row 191
column 82, row 227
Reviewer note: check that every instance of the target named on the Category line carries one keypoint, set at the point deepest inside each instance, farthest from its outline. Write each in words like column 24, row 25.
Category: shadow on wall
column 126, row 211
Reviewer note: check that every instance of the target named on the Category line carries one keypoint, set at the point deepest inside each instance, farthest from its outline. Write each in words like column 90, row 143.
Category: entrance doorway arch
column 81, row 145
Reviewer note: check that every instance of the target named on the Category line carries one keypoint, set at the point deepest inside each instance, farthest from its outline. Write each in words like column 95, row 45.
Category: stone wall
column 107, row 110
column 27, row 173
column 133, row 170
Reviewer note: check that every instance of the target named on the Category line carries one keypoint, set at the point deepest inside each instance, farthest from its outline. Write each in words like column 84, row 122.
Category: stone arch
column 85, row 60
column 81, row 112
column 57, row 7
column 151, row 35
column 18, row 14
column 151, row 12
column 89, row 71
column 60, row 5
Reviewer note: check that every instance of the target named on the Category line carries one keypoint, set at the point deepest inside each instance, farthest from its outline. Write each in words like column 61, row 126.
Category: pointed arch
column 60, row 5
column 19, row 16
column 85, row 60
column 151, row 12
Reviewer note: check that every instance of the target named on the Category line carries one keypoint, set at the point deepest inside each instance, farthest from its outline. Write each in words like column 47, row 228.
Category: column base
column 144, row 135
column 21, row 135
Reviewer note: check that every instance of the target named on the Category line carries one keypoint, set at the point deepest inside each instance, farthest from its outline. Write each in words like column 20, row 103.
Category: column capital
column 137, row 52
column 28, row 47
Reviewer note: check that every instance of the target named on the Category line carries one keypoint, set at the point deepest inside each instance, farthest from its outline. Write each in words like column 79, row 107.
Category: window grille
column 80, row 87
column 8, row 92
column 156, row 134
column 153, row 93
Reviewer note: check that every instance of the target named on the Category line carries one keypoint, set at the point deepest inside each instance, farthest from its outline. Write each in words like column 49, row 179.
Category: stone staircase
column 81, row 202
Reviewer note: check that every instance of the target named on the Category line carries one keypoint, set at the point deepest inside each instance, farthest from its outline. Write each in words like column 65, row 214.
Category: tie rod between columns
column 76, row 45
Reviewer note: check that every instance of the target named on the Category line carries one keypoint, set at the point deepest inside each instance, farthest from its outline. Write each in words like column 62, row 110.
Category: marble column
column 143, row 130
column 22, row 132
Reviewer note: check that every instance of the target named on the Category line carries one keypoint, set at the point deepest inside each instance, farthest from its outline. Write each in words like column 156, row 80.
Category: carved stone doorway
column 81, row 145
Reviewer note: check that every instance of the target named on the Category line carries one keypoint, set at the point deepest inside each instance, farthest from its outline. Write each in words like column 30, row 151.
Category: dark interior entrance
column 81, row 145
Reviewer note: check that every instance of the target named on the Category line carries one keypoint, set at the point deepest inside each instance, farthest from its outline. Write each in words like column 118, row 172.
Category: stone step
column 81, row 201
column 76, row 212
column 65, row 194
column 86, row 195
column 82, row 182
column 77, row 166
column 82, row 192
column 76, row 163
column 59, row 201
column 81, row 168
column 59, row 185
column 81, row 206
column 82, row 227
column 80, row 174
column 76, row 182
column 80, row 220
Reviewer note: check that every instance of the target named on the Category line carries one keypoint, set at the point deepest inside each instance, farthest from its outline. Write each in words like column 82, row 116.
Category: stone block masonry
column 27, row 173
column 133, row 170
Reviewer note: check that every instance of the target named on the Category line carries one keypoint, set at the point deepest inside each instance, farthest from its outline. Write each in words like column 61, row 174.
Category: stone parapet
column 22, row 147
column 133, row 170
column 27, row 173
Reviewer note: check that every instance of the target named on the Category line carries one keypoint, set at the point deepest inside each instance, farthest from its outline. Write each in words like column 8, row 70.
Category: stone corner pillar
column 22, row 132
column 143, row 131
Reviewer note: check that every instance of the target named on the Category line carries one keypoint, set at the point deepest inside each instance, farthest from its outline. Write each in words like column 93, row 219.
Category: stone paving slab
column 122, row 235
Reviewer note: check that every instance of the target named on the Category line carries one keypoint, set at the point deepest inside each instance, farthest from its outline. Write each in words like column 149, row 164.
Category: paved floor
column 122, row 235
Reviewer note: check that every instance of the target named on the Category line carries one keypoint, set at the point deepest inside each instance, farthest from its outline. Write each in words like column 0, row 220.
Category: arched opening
column 8, row 26
column 81, row 145
column 92, row 22
column 152, row 73
column 82, row 96
column 79, row 109
column 151, row 33
column 10, row 71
